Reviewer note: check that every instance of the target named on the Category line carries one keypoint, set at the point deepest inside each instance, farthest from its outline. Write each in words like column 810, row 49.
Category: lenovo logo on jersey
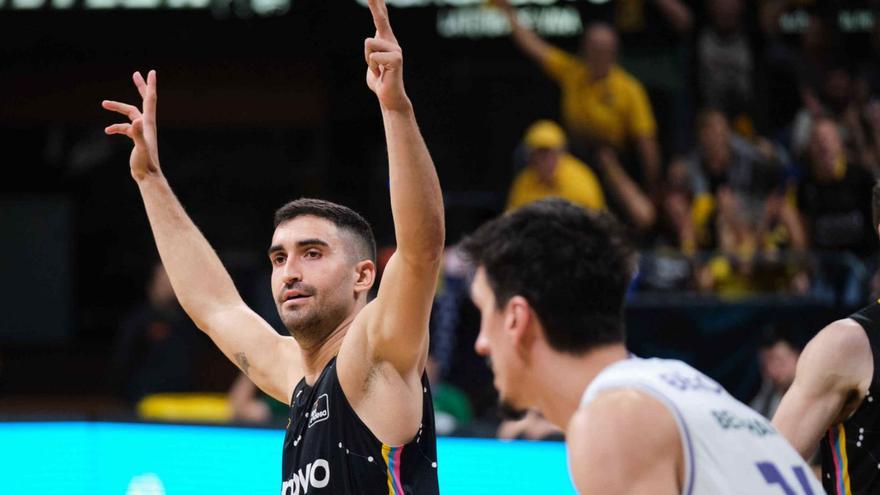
column 316, row 475
column 320, row 410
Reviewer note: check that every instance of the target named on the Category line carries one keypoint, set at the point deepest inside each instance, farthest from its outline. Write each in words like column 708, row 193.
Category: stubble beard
column 311, row 326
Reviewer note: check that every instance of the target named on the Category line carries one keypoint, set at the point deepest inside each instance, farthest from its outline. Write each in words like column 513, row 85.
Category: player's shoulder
column 844, row 337
column 627, row 430
column 622, row 412
column 839, row 356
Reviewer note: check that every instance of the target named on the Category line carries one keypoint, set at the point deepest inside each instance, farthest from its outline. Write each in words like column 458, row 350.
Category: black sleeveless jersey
column 851, row 450
column 328, row 450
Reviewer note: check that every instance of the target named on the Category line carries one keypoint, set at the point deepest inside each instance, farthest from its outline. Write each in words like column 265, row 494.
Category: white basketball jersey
column 728, row 448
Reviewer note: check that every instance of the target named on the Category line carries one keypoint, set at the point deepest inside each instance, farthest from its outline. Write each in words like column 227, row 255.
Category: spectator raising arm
column 527, row 40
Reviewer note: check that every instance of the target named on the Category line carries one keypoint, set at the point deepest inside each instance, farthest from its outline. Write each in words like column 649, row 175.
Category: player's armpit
column 833, row 372
column 625, row 442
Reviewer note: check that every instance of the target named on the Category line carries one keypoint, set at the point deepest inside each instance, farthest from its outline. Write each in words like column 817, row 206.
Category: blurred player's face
column 314, row 276
column 497, row 342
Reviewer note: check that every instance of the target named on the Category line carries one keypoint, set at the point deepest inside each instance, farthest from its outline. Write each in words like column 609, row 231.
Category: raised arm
column 201, row 283
column 397, row 322
column 832, row 374
column 528, row 41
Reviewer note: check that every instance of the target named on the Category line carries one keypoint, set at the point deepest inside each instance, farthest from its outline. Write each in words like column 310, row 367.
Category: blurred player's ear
column 518, row 322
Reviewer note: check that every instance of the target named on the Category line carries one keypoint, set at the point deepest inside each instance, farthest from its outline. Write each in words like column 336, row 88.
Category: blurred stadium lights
column 475, row 19
column 854, row 21
column 478, row 22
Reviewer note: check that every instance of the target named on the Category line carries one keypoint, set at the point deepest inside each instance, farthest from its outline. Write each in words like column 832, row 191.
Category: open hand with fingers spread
column 142, row 128
column 385, row 60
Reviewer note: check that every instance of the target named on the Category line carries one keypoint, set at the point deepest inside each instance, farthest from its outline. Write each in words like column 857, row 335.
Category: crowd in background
column 741, row 157
column 749, row 193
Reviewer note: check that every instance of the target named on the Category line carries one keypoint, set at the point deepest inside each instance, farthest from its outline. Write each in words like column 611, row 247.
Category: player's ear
column 518, row 322
column 365, row 276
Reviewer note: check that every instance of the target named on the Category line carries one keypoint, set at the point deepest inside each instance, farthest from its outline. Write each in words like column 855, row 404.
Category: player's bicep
column 823, row 383
column 270, row 360
column 803, row 416
column 625, row 443
column 398, row 323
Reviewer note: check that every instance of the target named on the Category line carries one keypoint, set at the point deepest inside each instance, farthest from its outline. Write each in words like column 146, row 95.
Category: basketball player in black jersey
column 353, row 373
column 835, row 399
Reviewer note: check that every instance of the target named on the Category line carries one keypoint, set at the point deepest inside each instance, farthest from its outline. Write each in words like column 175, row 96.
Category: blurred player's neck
column 564, row 378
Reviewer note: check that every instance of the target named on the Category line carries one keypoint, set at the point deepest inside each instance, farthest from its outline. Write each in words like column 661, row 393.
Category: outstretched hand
column 385, row 61
column 142, row 129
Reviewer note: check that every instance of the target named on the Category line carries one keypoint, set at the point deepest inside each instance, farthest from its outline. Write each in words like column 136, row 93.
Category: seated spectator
column 728, row 195
column 158, row 347
column 602, row 104
column 552, row 171
column 778, row 357
column 835, row 199
column 718, row 194
column 835, row 196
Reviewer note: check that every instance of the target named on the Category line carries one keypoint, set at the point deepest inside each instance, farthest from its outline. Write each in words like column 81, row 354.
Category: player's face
column 496, row 343
column 312, row 276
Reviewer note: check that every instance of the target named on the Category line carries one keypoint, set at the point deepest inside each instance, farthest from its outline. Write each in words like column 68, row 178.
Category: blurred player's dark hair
column 573, row 266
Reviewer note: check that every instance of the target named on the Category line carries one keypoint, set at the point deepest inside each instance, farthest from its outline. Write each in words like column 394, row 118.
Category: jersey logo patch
column 320, row 410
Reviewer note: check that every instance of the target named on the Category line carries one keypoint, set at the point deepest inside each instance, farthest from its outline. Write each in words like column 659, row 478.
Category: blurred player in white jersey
column 550, row 282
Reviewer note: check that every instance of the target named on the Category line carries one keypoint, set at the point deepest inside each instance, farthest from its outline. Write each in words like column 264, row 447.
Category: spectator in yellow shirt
column 602, row 104
column 551, row 171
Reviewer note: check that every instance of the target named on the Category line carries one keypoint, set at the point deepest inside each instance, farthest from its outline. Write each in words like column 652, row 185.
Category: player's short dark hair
column 342, row 216
column 875, row 204
column 573, row 266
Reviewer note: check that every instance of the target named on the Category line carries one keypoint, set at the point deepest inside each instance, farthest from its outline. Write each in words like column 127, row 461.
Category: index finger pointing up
column 380, row 19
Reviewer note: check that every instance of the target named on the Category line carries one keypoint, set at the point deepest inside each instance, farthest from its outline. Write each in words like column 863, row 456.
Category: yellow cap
column 545, row 134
